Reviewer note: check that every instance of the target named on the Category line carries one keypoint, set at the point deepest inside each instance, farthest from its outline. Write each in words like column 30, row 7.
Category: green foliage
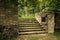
column 52, row 5
column 8, row 3
column 28, row 6
column 32, row 6
column 30, row 16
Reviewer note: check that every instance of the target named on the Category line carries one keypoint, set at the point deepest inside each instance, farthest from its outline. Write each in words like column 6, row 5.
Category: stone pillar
column 9, row 16
column 38, row 17
column 51, row 23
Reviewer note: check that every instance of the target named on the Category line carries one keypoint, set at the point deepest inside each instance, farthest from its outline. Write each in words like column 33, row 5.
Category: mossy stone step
column 32, row 32
column 29, row 27
column 29, row 24
column 27, row 30
column 28, row 21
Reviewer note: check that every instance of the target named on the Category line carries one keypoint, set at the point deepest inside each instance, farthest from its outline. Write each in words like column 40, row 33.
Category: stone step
column 28, row 23
column 22, row 19
column 32, row 32
column 29, row 27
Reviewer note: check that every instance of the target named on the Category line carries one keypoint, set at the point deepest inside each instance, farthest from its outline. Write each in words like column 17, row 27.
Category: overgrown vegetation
column 28, row 7
column 7, row 3
column 57, row 34
column 8, row 33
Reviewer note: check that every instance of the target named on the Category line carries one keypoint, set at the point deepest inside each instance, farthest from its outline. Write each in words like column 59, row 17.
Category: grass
column 29, row 16
column 57, row 34
column 48, row 37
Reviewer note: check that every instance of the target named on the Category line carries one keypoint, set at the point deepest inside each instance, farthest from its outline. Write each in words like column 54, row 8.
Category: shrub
column 8, row 33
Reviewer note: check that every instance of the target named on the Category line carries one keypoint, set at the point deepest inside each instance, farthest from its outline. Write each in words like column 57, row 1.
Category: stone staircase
column 30, row 26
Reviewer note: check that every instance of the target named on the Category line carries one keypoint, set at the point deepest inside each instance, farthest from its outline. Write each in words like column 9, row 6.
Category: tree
column 7, row 3
column 33, row 6
column 28, row 6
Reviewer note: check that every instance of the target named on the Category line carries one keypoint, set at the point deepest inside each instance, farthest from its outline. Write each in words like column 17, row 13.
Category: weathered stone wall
column 8, row 22
column 39, row 16
column 2, row 15
column 49, row 20
column 8, row 16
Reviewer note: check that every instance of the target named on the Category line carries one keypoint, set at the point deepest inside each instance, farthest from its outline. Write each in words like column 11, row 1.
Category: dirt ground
column 38, row 37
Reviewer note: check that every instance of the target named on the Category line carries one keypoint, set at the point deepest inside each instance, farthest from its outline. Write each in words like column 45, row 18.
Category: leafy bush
column 8, row 33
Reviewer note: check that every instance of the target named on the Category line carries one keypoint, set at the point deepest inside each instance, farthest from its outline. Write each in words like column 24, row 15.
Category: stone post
column 51, row 23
